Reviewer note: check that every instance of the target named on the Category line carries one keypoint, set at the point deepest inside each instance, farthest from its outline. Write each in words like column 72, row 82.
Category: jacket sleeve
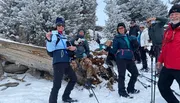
column 162, row 21
column 114, row 48
column 87, row 47
column 51, row 45
column 161, row 56
column 72, row 41
column 134, row 43
column 160, row 59
column 146, row 38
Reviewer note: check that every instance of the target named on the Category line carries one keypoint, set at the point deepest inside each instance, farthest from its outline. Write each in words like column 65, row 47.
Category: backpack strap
column 58, row 39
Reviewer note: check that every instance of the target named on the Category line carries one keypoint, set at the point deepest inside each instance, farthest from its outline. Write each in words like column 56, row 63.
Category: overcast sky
column 102, row 16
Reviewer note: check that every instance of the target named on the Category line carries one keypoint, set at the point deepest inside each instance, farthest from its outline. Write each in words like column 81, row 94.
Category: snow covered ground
column 38, row 92
column 39, row 89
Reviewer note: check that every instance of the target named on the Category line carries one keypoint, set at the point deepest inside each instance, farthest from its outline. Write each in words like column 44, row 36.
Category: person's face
column 60, row 27
column 141, row 28
column 121, row 30
column 132, row 24
column 175, row 17
column 148, row 23
column 81, row 33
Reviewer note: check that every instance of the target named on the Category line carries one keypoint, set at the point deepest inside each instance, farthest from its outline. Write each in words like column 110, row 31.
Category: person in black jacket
column 134, row 29
column 123, row 47
column 56, row 43
column 81, row 44
column 156, row 30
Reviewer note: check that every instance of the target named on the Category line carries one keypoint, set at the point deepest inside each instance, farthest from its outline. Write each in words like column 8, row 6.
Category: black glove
column 70, row 53
column 89, row 56
column 151, row 52
column 88, row 83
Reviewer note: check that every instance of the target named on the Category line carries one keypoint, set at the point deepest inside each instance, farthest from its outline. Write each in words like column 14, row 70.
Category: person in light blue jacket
column 57, row 45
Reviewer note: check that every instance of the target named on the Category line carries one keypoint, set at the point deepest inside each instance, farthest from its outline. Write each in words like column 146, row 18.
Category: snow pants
column 130, row 65
column 59, row 70
column 166, row 78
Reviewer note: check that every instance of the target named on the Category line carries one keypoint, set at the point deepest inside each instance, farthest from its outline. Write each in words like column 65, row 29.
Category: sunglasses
column 141, row 27
column 60, row 25
column 120, row 28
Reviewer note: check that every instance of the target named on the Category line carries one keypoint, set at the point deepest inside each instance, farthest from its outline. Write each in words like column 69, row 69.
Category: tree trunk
column 30, row 56
column 15, row 69
column 1, row 69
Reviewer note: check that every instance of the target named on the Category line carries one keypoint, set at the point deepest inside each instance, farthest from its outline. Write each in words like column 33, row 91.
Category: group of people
column 125, row 48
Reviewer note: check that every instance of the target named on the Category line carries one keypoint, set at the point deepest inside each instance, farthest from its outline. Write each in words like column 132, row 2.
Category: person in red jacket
column 170, row 56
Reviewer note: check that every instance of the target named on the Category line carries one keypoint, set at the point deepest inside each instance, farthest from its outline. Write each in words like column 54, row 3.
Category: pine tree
column 141, row 10
column 174, row 1
column 116, row 15
column 9, row 22
column 88, row 17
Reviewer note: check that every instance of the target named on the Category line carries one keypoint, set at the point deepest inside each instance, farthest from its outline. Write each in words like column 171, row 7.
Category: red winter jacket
column 170, row 54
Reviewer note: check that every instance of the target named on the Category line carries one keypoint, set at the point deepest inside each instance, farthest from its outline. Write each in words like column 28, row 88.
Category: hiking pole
column 143, row 84
column 90, row 94
column 94, row 95
column 152, row 84
column 175, row 92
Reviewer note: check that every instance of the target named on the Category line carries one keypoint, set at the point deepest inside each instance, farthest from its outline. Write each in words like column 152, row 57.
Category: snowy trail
column 38, row 92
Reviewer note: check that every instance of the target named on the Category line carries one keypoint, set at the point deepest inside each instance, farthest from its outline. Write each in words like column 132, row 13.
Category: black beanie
column 60, row 21
column 121, row 24
column 174, row 8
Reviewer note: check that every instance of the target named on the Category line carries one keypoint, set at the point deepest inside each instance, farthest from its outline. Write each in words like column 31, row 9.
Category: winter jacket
column 170, row 54
column 59, row 50
column 144, row 38
column 134, row 30
column 156, row 31
column 82, row 46
column 123, row 47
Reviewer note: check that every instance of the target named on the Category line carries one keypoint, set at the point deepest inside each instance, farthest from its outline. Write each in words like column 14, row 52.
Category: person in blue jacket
column 123, row 47
column 57, row 44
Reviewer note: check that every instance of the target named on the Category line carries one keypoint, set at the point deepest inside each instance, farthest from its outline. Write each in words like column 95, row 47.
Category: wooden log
column 15, row 69
column 1, row 69
column 28, row 55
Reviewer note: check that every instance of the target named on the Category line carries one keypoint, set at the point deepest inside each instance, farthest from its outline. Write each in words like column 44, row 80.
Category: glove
column 151, row 52
column 88, row 83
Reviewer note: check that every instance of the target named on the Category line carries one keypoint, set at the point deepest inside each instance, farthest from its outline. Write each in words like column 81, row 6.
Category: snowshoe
column 70, row 100
column 144, row 70
column 125, row 95
column 135, row 91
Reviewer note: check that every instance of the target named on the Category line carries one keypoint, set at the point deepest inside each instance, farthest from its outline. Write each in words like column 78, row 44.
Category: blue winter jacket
column 124, row 46
column 59, row 50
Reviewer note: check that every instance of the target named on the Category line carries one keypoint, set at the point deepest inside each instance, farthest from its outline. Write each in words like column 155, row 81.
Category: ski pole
column 143, row 84
column 90, row 94
column 94, row 95
column 147, row 78
column 175, row 92
column 152, row 84
column 154, row 87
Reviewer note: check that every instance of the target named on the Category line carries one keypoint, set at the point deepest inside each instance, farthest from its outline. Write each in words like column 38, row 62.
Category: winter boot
column 135, row 91
column 69, row 100
column 125, row 95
